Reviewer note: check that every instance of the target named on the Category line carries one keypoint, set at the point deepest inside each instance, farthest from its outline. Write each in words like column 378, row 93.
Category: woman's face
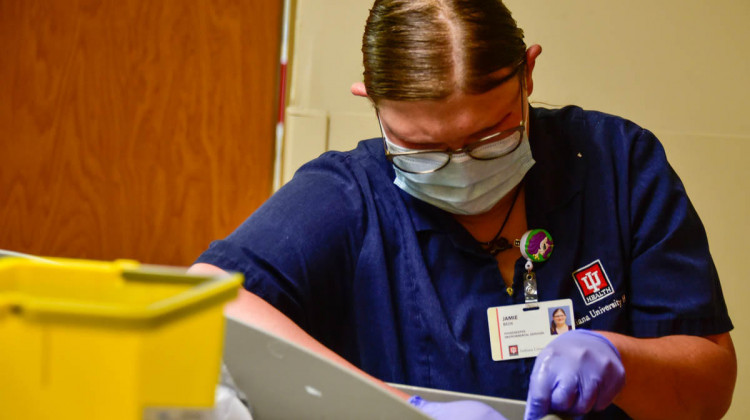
column 559, row 317
column 455, row 121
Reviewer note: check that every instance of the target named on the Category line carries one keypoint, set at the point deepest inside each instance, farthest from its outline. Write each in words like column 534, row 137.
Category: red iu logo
column 513, row 350
column 593, row 283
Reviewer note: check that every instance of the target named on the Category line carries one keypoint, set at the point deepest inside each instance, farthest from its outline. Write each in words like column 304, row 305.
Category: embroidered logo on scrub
column 593, row 283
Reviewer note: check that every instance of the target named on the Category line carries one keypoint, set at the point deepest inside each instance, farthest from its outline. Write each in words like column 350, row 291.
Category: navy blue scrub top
column 401, row 289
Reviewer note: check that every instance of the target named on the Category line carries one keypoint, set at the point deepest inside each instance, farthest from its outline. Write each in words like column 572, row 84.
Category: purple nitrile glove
column 463, row 410
column 579, row 371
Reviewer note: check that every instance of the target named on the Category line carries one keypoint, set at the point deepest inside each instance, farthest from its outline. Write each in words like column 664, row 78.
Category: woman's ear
column 358, row 89
column 531, row 54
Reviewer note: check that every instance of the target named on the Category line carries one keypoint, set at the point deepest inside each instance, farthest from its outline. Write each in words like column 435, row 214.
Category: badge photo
column 560, row 320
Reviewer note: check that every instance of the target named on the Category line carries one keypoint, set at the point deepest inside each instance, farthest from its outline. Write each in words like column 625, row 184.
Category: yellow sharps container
column 109, row 340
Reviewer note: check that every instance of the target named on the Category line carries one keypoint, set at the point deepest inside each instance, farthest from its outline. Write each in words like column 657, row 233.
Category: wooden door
column 134, row 128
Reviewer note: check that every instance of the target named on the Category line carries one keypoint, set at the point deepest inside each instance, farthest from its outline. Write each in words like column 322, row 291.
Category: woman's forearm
column 255, row 311
column 685, row 377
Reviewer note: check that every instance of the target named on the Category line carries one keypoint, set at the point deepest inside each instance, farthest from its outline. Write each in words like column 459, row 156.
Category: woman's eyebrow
column 490, row 129
column 482, row 132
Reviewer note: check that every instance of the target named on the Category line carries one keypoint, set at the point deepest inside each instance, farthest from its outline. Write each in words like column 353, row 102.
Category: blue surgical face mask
column 467, row 185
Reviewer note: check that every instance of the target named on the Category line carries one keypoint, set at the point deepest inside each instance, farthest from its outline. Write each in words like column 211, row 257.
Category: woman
column 559, row 323
column 390, row 254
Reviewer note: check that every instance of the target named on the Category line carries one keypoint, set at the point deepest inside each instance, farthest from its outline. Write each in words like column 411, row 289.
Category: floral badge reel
column 536, row 246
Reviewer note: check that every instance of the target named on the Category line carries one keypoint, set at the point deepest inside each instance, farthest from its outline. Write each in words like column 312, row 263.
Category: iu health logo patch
column 593, row 283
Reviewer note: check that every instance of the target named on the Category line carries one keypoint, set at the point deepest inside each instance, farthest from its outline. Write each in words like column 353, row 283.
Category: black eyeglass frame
column 391, row 156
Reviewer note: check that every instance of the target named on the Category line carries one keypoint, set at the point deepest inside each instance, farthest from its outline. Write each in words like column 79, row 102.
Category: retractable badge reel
column 536, row 246
column 523, row 330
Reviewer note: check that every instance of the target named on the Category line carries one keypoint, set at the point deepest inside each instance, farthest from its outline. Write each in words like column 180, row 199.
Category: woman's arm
column 253, row 310
column 685, row 377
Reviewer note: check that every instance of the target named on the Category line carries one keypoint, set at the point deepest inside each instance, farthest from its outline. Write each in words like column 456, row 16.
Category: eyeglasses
column 426, row 161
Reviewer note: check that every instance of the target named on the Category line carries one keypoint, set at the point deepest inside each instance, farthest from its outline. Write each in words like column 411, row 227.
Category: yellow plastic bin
column 109, row 340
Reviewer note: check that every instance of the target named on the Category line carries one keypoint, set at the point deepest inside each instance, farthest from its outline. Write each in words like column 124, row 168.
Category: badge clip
column 536, row 246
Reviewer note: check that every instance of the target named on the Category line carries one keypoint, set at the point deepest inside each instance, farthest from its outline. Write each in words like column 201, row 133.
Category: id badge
column 519, row 331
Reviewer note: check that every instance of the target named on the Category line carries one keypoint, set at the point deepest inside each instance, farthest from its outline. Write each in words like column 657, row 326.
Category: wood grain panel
column 134, row 128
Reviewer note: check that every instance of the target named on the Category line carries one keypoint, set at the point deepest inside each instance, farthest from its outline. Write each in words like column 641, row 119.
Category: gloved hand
column 577, row 372
column 463, row 410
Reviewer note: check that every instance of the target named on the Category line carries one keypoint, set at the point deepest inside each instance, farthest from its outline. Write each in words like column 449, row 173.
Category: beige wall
column 677, row 67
